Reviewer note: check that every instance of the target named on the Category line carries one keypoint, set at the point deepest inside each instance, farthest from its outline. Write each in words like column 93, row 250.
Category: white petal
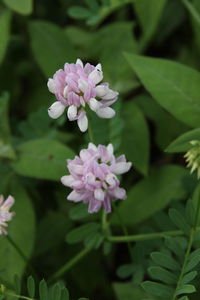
column 111, row 179
column 82, row 85
column 101, row 90
column 83, row 123
column 78, row 169
column 92, row 146
column 90, row 178
column 99, row 194
column 56, row 110
column 72, row 112
column 65, row 92
column 119, row 193
column 74, row 196
column 122, row 167
column 67, row 180
column 51, row 85
column 96, row 75
column 110, row 95
column 110, row 149
column 85, row 155
column 79, row 62
column 98, row 67
column 105, row 112
column 94, row 104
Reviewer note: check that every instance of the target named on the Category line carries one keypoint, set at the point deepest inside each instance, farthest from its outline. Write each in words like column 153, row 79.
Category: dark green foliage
column 175, row 266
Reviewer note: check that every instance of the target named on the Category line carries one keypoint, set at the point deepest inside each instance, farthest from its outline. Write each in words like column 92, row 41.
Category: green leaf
column 23, row 7
column 56, row 292
column 157, row 289
column 21, row 229
column 163, row 275
column 175, row 86
column 194, row 259
column 79, row 12
column 179, row 220
column 125, row 271
column 165, row 260
column 149, row 13
column 182, row 143
column 78, row 212
column 43, row 290
column 127, row 291
column 64, row 294
column 167, row 127
column 5, row 20
column 189, row 277
column 135, row 137
column 17, row 284
column 186, row 289
column 79, row 234
column 31, row 286
column 122, row 40
column 45, row 35
column 174, row 245
column 145, row 198
column 42, row 158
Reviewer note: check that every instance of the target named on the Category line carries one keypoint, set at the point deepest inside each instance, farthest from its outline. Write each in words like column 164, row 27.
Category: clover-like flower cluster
column 192, row 157
column 93, row 177
column 5, row 214
column 77, row 86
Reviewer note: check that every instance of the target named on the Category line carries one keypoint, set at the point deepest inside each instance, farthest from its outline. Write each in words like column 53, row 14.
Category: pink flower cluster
column 76, row 86
column 93, row 177
column 5, row 214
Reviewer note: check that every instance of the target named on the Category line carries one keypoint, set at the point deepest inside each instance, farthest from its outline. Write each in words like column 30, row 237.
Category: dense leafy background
column 149, row 50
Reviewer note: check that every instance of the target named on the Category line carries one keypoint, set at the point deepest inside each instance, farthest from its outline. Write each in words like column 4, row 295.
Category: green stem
column 125, row 231
column 70, row 264
column 18, row 296
column 187, row 253
column 145, row 236
column 104, row 221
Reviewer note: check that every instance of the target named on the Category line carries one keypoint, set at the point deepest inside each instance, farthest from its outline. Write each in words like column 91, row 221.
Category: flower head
column 76, row 86
column 193, row 157
column 5, row 214
column 93, row 177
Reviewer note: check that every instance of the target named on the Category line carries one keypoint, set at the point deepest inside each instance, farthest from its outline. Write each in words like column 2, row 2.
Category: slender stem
column 125, row 231
column 70, row 264
column 104, row 221
column 145, row 236
column 18, row 296
column 187, row 253
column 90, row 133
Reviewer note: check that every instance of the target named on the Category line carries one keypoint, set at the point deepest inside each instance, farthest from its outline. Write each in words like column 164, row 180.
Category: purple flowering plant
column 108, row 206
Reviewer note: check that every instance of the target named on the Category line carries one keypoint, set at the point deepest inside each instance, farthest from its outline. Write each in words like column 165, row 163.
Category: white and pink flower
column 93, row 177
column 77, row 86
column 5, row 214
